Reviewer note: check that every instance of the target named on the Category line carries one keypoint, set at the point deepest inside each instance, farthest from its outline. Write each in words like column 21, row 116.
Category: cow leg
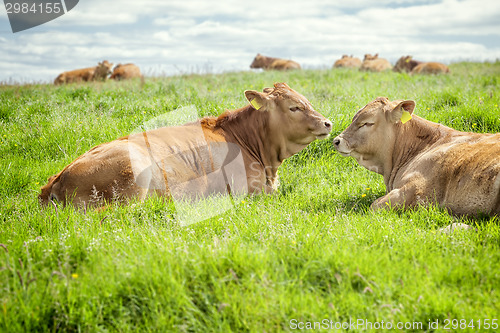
column 256, row 186
column 399, row 198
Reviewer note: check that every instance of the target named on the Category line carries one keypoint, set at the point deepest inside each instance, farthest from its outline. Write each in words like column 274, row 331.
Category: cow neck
column 250, row 130
column 410, row 140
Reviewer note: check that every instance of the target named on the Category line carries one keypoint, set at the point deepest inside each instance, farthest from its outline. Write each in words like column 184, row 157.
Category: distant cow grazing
column 405, row 64
column 127, row 71
column 277, row 124
column 268, row 63
column 430, row 68
column 374, row 64
column 96, row 73
column 423, row 162
column 347, row 62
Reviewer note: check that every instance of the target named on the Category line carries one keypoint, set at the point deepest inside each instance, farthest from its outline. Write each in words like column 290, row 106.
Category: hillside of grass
column 311, row 252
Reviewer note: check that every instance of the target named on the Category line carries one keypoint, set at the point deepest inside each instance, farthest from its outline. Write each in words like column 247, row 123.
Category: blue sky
column 173, row 37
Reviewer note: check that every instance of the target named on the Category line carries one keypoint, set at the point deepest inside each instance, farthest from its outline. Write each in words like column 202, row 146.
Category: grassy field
column 313, row 252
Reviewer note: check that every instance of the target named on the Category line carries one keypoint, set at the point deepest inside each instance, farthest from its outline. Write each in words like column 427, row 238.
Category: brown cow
column 102, row 71
column 409, row 65
column 423, row 162
column 99, row 72
column 430, row 68
column 268, row 63
column 374, row 64
column 127, row 71
column 347, row 62
column 278, row 123
column 405, row 64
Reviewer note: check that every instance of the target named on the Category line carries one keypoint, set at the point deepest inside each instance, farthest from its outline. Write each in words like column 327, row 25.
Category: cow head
column 371, row 134
column 259, row 61
column 405, row 64
column 369, row 57
column 61, row 78
column 291, row 116
column 102, row 70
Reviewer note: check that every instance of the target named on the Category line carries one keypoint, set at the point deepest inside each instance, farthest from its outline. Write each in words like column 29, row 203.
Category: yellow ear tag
column 255, row 104
column 405, row 116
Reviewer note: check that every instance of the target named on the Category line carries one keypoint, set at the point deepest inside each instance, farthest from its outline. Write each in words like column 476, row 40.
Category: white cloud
column 450, row 17
column 173, row 22
column 109, row 12
column 163, row 36
column 97, row 19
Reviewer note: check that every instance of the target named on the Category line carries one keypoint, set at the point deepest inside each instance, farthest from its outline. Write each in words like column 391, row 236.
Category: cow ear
column 257, row 99
column 402, row 112
column 268, row 90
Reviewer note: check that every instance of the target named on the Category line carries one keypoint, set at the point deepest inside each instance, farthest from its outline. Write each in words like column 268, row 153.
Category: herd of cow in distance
column 372, row 63
column 423, row 163
column 100, row 73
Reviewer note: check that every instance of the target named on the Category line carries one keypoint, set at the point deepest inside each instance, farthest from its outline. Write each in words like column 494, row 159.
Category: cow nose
column 336, row 142
column 328, row 124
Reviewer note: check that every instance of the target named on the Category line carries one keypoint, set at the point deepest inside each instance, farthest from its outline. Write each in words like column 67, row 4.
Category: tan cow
column 405, row 64
column 96, row 73
column 347, row 62
column 374, row 64
column 102, row 71
column 423, row 162
column 278, row 123
column 409, row 65
column 268, row 63
column 430, row 68
column 127, row 71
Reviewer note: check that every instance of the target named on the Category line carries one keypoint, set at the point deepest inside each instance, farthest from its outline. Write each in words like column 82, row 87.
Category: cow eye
column 294, row 109
column 366, row 125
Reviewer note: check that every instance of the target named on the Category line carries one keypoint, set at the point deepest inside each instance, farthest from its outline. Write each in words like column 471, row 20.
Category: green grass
column 312, row 251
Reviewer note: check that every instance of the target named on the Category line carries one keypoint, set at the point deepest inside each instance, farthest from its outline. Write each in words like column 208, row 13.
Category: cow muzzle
column 324, row 131
column 341, row 146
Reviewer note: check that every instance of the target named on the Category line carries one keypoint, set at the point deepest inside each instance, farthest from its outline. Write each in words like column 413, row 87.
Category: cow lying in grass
column 96, row 73
column 430, row 68
column 409, row 65
column 372, row 63
column 269, row 63
column 278, row 123
column 423, row 162
column 347, row 62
